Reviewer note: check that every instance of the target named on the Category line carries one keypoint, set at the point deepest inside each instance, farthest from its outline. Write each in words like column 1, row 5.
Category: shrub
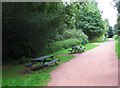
column 57, row 45
column 99, row 39
column 79, row 34
column 115, row 37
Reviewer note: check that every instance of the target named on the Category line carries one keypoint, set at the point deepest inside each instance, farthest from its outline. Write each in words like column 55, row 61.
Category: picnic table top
column 42, row 58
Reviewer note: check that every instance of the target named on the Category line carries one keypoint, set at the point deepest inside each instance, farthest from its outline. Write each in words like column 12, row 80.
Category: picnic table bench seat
column 51, row 62
column 43, row 62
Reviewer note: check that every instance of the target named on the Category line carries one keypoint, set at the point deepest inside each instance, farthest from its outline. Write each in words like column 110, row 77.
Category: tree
column 90, row 21
column 117, row 26
column 28, row 27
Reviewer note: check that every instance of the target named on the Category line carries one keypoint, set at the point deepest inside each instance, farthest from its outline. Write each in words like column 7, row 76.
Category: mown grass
column 90, row 46
column 12, row 77
column 117, row 44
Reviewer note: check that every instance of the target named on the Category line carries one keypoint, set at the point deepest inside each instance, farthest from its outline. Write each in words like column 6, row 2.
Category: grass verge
column 117, row 47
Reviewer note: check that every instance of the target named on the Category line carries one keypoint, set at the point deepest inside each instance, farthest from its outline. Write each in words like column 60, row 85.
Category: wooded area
column 39, row 28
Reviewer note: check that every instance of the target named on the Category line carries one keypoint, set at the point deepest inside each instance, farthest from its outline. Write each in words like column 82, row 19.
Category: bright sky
column 109, row 12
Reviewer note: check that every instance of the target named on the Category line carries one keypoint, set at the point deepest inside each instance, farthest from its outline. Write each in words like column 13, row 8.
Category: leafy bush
column 99, row 39
column 58, row 37
column 79, row 34
column 57, row 45
column 115, row 36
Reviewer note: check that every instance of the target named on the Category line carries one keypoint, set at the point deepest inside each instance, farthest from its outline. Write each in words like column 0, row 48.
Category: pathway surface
column 96, row 67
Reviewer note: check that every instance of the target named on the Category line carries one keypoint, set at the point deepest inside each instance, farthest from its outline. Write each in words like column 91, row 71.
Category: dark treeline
column 35, row 29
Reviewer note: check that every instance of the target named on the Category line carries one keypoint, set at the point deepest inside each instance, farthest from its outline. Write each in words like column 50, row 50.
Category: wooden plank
column 41, row 58
column 51, row 62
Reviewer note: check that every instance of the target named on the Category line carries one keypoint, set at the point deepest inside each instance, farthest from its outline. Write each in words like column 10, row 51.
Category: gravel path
column 96, row 67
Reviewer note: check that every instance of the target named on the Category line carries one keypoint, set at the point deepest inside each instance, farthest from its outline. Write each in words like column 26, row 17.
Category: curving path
column 96, row 67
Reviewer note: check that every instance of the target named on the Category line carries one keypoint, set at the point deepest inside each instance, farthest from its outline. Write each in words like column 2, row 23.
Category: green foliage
column 90, row 21
column 62, row 51
column 75, row 34
column 28, row 27
column 87, row 17
column 99, row 39
column 57, row 45
column 110, row 32
column 117, row 47
column 117, row 26
column 115, row 37
column 116, row 29
column 35, row 29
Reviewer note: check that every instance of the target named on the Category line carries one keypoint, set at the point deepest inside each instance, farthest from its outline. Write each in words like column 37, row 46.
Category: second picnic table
column 76, row 49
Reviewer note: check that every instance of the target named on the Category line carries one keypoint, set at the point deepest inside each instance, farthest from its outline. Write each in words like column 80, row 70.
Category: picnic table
column 43, row 61
column 76, row 49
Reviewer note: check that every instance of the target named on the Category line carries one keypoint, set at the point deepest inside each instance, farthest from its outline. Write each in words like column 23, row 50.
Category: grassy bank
column 12, row 77
column 117, row 47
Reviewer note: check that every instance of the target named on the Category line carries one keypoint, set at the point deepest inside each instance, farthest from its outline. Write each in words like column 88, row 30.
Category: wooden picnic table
column 44, row 61
column 76, row 49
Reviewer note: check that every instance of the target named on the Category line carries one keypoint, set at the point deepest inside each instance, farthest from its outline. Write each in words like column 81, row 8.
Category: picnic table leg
column 53, row 59
column 55, row 63
column 44, row 61
column 75, row 50
column 78, row 50
column 83, row 50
